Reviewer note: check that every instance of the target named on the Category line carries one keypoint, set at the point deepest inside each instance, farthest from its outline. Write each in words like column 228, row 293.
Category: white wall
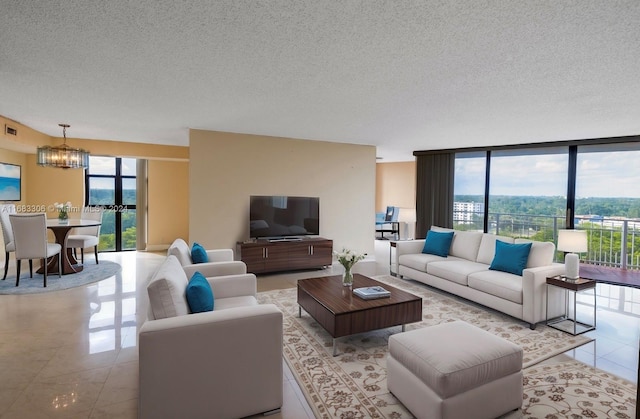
column 226, row 169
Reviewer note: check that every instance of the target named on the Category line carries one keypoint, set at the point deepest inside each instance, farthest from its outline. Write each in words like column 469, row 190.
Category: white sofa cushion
column 488, row 247
column 455, row 270
column 465, row 244
column 233, row 302
column 166, row 290
column 419, row 261
column 500, row 284
column 180, row 249
column 541, row 253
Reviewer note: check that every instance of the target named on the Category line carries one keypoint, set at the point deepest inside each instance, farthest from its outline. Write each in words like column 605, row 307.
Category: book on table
column 369, row 293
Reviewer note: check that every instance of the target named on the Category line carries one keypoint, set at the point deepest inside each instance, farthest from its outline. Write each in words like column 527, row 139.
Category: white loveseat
column 465, row 272
column 224, row 363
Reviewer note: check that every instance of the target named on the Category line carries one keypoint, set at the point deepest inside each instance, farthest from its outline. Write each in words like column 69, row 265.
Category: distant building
column 463, row 212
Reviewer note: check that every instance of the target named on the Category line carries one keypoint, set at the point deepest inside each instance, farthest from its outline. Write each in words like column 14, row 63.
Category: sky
column 105, row 166
column 600, row 174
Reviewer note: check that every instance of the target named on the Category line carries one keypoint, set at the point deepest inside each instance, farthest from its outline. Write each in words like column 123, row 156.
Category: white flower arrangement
column 63, row 209
column 348, row 258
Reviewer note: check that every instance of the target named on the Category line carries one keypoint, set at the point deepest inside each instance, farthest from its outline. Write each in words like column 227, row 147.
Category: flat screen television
column 283, row 216
column 10, row 182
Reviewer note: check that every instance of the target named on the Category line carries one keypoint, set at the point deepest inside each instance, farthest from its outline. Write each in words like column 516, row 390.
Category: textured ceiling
column 400, row 75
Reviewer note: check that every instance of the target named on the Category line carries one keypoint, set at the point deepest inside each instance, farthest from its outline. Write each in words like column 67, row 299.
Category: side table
column 566, row 323
column 392, row 246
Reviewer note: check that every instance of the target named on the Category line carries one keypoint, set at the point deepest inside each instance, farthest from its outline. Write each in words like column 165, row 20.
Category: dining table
column 61, row 229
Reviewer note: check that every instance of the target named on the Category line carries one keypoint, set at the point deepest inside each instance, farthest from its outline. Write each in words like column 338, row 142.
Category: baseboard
column 156, row 247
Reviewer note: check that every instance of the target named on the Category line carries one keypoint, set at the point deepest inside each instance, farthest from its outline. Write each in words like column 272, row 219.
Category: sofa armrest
column 220, row 255
column 196, row 364
column 210, row 269
column 407, row 247
column 233, row 285
column 404, row 247
column 534, row 292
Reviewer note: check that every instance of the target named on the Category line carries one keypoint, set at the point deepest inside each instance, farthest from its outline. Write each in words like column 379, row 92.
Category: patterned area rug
column 575, row 390
column 89, row 274
column 353, row 384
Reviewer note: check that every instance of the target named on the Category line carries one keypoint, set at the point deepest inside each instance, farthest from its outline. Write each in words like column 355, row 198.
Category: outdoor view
column 105, row 182
column 527, row 198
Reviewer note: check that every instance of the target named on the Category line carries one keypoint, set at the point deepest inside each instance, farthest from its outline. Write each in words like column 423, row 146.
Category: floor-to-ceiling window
column 468, row 191
column 111, row 183
column 527, row 192
column 608, row 203
column 534, row 191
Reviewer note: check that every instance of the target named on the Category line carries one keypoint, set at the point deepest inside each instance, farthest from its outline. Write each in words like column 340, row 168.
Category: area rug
column 90, row 273
column 353, row 384
column 575, row 390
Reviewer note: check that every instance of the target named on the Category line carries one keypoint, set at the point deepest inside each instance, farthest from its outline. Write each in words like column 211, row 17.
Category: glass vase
column 63, row 216
column 347, row 278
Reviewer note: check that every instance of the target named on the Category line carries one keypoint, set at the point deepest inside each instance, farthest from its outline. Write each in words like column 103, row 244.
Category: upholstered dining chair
column 84, row 237
column 30, row 238
column 7, row 234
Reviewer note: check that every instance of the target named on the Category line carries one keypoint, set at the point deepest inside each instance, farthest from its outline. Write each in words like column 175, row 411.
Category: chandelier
column 63, row 156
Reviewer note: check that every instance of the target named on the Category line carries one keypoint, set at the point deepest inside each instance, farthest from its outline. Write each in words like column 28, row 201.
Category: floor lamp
column 574, row 241
column 408, row 217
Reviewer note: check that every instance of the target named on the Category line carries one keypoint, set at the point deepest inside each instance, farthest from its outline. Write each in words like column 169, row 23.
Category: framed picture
column 10, row 182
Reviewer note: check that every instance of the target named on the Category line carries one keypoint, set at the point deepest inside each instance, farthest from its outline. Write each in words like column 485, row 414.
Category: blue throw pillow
column 198, row 254
column 199, row 294
column 438, row 243
column 511, row 258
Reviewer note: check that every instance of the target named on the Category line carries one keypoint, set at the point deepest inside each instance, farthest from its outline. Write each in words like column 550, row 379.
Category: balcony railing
column 606, row 235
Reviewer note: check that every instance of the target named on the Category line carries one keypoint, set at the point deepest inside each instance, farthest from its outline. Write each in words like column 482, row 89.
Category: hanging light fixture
column 63, row 156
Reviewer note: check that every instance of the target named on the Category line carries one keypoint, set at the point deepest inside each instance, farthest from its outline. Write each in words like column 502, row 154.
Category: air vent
column 10, row 130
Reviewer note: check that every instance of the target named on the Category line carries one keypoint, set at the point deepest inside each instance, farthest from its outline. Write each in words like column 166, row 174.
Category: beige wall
column 395, row 185
column 168, row 213
column 226, row 168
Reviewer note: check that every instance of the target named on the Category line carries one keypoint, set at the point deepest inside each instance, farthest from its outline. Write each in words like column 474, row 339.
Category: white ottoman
column 455, row 370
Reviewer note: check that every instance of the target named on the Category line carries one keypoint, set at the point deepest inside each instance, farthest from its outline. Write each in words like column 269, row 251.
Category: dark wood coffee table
column 341, row 313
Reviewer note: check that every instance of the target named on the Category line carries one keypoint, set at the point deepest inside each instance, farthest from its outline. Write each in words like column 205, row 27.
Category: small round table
column 60, row 230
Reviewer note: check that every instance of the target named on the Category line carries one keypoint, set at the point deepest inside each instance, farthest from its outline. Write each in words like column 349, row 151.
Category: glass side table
column 567, row 323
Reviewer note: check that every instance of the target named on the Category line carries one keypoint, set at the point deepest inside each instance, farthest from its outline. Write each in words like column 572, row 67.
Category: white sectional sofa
column 465, row 272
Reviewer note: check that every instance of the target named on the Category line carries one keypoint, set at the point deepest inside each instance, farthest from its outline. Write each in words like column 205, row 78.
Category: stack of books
column 369, row 293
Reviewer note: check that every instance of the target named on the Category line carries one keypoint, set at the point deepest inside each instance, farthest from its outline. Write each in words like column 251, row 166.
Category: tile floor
column 73, row 354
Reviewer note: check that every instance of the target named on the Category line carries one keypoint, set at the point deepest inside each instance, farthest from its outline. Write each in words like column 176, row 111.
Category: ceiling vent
column 10, row 130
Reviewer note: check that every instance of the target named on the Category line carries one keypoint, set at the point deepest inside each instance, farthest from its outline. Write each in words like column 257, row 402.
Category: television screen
column 283, row 216
column 9, row 182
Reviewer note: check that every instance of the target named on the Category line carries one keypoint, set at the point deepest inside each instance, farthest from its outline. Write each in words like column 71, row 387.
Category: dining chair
column 7, row 234
column 30, row 238
column 83, row 237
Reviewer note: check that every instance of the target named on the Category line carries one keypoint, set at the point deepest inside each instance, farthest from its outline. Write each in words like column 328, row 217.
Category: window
column 111, row 183
column 528, row 192
column 608, row 203
column 468, row 191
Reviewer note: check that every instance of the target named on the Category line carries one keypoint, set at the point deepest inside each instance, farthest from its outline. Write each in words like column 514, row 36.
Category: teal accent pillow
column 438, row 243
column 198, row 254
column 199, row 294
column 511, row 258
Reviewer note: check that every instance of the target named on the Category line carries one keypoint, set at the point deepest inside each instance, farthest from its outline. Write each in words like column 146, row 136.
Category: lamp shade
column 572, row 241
column 407, row 215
